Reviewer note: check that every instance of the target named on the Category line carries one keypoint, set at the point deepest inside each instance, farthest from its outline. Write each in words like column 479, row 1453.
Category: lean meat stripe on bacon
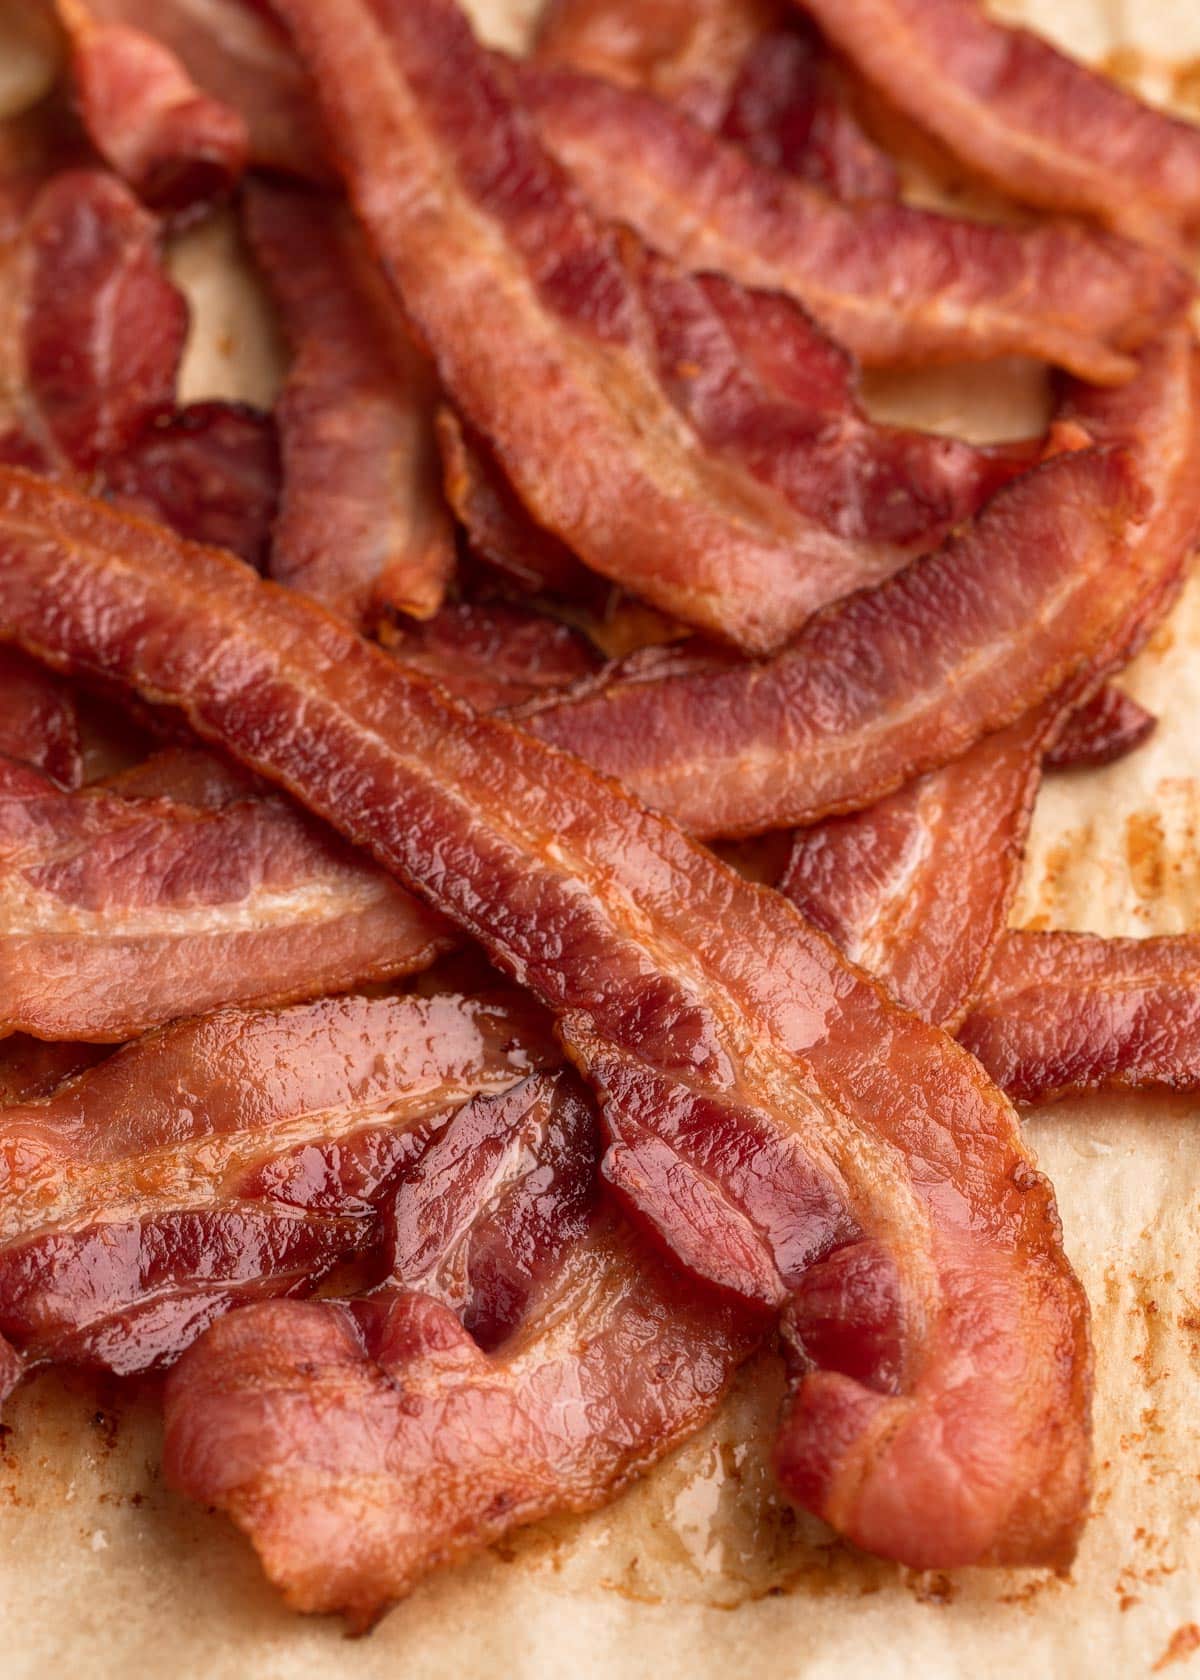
column 549, row 1356
column 893, row 283
column 514, row 286
column 902, row 678
column 363, row 526
column 763, row 1101
column 119, row 913
column 1067, row 1012
column 1041, row 126
column 229, row 1158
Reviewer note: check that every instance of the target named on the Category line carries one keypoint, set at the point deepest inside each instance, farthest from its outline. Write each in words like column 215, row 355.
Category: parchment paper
column 700, row 1571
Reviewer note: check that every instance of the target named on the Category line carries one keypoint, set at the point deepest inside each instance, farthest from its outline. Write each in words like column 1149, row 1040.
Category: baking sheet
column 700, row 1571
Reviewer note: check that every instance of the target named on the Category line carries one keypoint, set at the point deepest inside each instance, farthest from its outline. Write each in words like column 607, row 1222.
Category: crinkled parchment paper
column 700, row 1571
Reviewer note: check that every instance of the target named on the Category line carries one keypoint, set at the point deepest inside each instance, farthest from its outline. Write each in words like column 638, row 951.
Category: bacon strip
column 1023, row 115
column 763, row 1101
column 363, row 526
column 1069, row 1012
column 31, row 1068
column 258, row 1143
column 427, row 1444
column 892, row 283
column 493, row 655
column 902, row 678
column 119, row 913
column 1105, row 728
column 545, row 297
column 39, row 720
column 176, row 146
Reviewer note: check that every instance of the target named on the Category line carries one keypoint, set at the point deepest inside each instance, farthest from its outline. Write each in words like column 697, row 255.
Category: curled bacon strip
column 39, row 720
column 363, row 525
column 893, row 283
column 121, row 913
column 176, row 146
column 259, row 1143
column 904, row 677
column 1105, row 728
column 763, row 1101
column 429, row 1444
column 1039, row 125
column 1066, row 1012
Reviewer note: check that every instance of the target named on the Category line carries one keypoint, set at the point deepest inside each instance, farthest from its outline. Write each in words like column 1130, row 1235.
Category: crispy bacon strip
column 1041, row 126
column 119, row 913
column 176, row 146
column 363, row 525
column 545, row 297
column 493, row 655
column 1068, row 1012
column 225, row 1159
column 1108, row 726
column 893, row 283
column 235, row 53
column 763, row 1101
column 39, row 720
column 359, row 1445
column 900, row 679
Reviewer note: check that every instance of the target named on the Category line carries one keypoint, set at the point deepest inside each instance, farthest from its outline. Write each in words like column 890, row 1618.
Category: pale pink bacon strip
column 902, row 678
column 1041, row 126
column 893, row 283
column 176, row 146
column 120, row 913
column 363, row 526
column 550, row 1356
column 763, row 1100
column 229, row 1158
column 1068, row 1012
column 542, row 299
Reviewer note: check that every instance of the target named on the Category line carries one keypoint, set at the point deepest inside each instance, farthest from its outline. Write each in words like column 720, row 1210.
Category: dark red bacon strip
column 228, row 1158
column 39, row 720
column 492, row 655
column 176, row 146
column 1068, row 1012
column 763, row 1100
column 363, row 525
column 546, row 299
column 120, row 913
column 1041, row 126
column 1108, row 726
column 902, row 678
column 892, row 283
column 578, row 1358
column 31, row 1068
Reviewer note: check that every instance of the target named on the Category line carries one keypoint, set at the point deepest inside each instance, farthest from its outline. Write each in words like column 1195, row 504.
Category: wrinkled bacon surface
column 175, row 145
column 1067, row 1012
column 39, row 720
column 1041, row 126
column 901, row 678
column 893, row 283
column 494, row 655
column 227, row 1158
column 763, row 1101
column 119, row 913
column 550, row 1356
column 363, row 524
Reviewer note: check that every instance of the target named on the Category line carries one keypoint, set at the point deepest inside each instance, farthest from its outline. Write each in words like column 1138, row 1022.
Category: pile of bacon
column 472, row 1119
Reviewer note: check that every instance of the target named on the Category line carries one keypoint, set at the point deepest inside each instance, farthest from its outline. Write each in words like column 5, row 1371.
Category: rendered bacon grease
column 451, row 1141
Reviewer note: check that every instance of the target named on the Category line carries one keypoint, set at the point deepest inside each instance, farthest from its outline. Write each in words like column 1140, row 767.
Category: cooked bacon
column 1106, row 727
column 1067, row 1012
column 39, row 720
column 188, row 775
column 210, row 471
column 1041, row 126
column 95, row 328
column 362, row 1444
column 31, row 1068
column 893, row 283
column 235, row 52
column 225, row 1159
column 364, row 525
column 550, row 300
column 917, row 889
column 491, row 654
column 765, row 1104
column 902, row 678
column 176, row 146
column 119, row 913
